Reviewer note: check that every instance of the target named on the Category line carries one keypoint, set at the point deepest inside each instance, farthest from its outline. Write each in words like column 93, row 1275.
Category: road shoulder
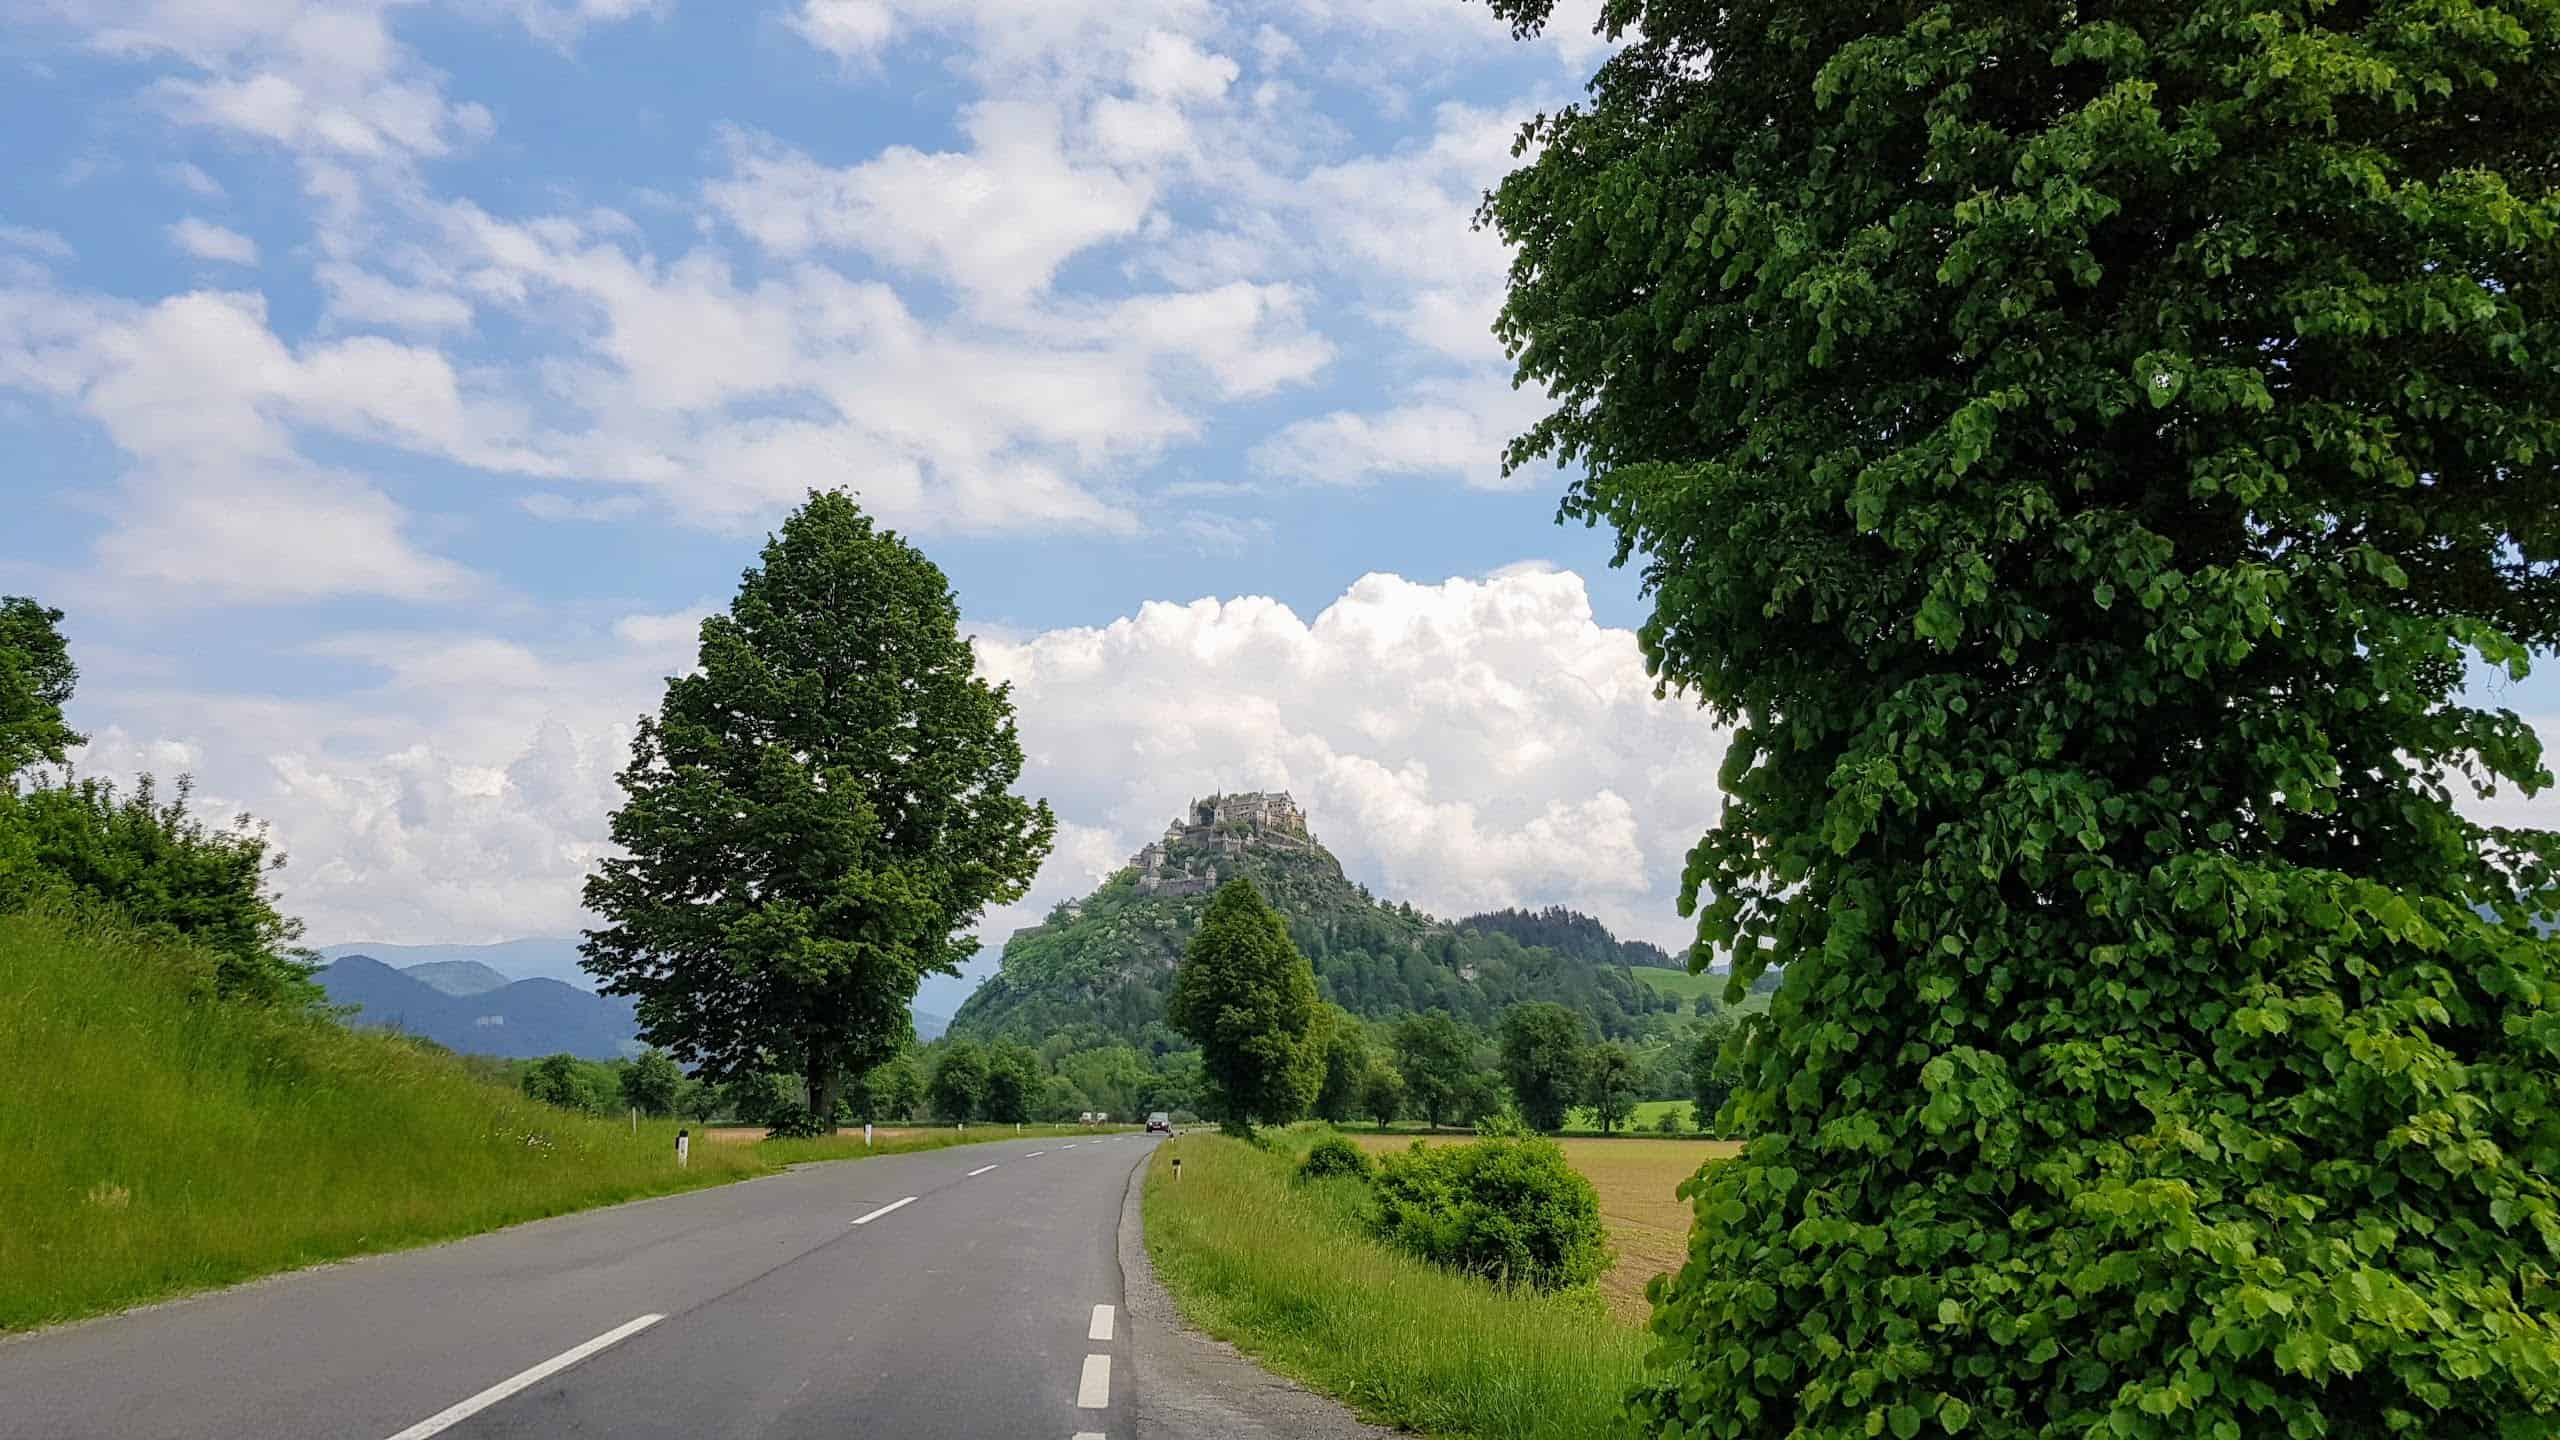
column 1191, row 1387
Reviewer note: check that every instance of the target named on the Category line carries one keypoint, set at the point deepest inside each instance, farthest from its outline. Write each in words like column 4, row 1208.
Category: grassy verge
column 156, row 1143
column 1287, row 1273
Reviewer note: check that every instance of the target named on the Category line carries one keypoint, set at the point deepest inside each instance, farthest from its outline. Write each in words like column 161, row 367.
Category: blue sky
column 394, row 384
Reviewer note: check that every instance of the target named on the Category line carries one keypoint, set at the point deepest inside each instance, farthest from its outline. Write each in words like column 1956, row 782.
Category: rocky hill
column 1098, row 968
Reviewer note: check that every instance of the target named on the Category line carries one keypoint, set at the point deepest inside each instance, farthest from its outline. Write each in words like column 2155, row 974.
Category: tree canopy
column 36, row 677
column 1248, row 998
column 1436, row 1056
column 1545, row 1060
column 813, row 818
column 2083, row 452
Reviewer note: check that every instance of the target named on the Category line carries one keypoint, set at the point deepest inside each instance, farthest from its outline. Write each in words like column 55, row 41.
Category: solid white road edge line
column 885, row 1209
column 1093, row 1392
column 451, row 1416
column 1101, row 1324
column 981, row 1170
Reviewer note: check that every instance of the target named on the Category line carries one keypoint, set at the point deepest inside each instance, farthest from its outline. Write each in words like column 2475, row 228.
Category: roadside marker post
column 684, row 1149
column 1177, row 1167
column 866, row 1134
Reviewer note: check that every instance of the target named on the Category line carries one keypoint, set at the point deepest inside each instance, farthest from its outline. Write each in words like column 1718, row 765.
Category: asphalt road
column 951, row 1293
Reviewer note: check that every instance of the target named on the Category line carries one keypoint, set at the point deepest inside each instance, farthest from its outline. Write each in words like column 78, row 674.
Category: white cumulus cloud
column 207, row 241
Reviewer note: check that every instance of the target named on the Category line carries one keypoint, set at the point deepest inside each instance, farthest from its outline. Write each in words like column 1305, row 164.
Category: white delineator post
column 684, row 1149
column 866, row 1134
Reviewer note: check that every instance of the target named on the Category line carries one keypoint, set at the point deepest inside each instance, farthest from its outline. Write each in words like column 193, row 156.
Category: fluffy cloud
column 997, row 220
column 206, row 401
column 207, row 241
column 1442, row 427
column 1466, row 744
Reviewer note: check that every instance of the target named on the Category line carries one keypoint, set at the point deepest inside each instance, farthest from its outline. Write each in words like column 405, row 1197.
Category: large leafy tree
column 958, row 1089
column 650, row 1083
column 1014, row 1080
column 1546, row 1058
column 36, row 676
column 1346, row 1066
column 2084, row 451
column 1437, row 1057
column 1609, row 1085
column 816, row 816
column 1710, row 1072
column 1247, row 998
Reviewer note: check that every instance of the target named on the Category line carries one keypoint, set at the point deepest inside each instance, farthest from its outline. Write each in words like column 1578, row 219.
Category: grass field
column 1287, row 1272
column 1680, row 982
column 1637, row 1180
column 157, row 1142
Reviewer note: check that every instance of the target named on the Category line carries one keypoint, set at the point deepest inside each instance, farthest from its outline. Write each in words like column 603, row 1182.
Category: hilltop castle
column 1221, row 824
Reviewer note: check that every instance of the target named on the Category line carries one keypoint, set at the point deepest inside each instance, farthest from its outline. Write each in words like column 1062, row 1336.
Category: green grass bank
column 1287, row 1272
column 157, row 1142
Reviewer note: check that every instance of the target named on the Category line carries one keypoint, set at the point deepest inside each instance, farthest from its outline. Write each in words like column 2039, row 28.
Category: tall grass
column 1286, row 1271
column 154, row 1140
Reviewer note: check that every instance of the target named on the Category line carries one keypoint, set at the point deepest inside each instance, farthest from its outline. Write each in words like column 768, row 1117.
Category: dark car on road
column 1159, row 1122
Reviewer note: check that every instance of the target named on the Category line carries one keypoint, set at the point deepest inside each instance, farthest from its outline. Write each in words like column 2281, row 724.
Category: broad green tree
column 890, row 1090
column 36, row 677
column 1436, row 1056
column 1609, row 1085
column 2087, row 454
column 1710, row 1071
column 1013, row 1083
column 650, row 1083
column 1382, row 1093
column 815, row 817
column 568, row 1082
column 1346, row 1066
column 958, row 1089
column 1247, row 997
column 1545, row 1057
column 758, row 1097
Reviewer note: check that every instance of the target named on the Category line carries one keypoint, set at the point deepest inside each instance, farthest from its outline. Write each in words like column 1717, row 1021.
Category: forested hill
column 1097, row 969
column 1574, row 934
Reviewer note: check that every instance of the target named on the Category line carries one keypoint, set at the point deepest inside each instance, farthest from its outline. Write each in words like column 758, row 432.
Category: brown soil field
column 1638, row 1181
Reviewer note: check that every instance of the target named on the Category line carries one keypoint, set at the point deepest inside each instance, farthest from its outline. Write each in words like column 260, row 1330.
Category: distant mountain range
column 518, row 1019
column 538, row 958
column 516, row 998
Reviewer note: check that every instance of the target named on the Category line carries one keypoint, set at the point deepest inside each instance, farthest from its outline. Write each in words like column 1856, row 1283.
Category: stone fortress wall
column 1218, row 825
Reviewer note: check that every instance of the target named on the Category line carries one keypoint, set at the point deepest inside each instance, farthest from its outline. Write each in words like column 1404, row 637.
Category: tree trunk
column 824, row 1085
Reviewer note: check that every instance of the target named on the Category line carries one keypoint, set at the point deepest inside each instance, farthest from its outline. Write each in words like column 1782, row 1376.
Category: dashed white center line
column 1093, row 1392
column 981, row 1170
column 1088, row 1435
column 1101, row 1323
column 1036, row 1154
column 451, row 1416
column 1070, row 1147
column 885, row 1209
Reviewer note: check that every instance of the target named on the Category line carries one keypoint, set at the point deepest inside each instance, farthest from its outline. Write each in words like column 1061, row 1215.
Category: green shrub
column 1333, row 1156
column 1510, row 1210
column 793, row 1122
column 1668, row 1122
